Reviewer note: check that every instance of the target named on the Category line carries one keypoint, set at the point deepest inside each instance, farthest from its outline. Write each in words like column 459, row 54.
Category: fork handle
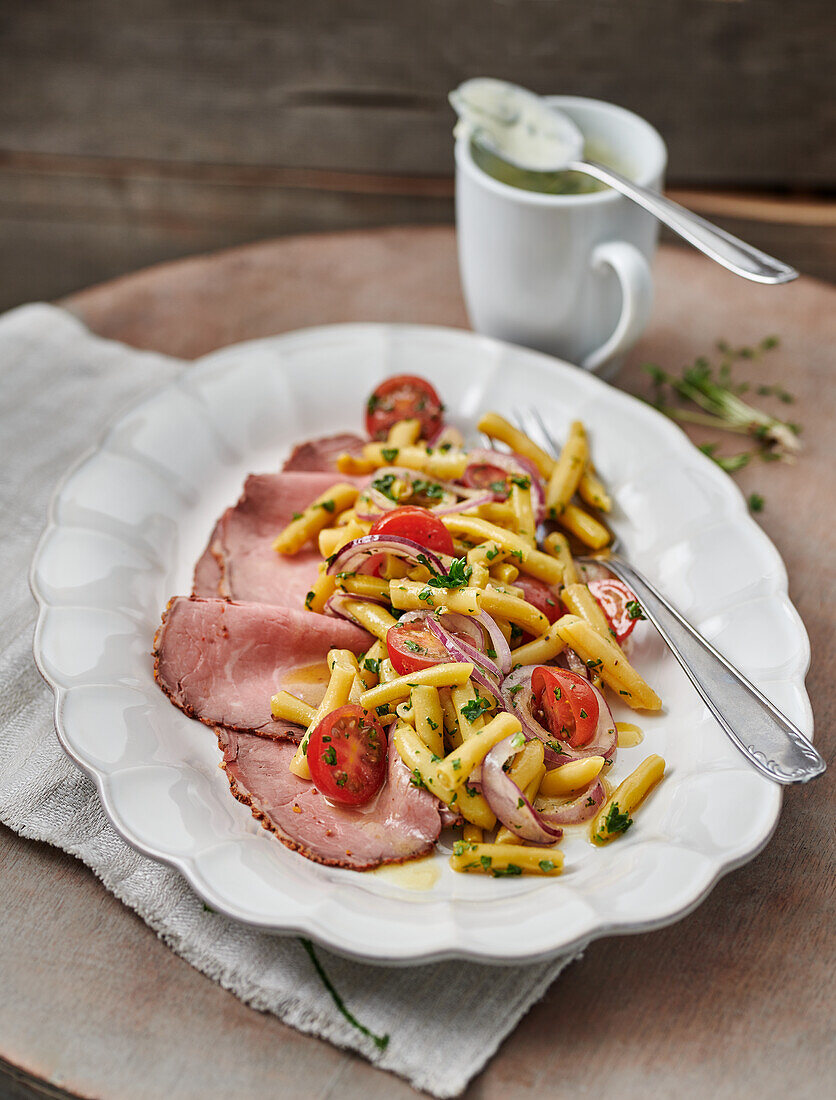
column 769, row 740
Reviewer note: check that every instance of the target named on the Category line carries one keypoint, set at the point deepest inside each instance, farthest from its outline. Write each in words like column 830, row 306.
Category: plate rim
column 720, row 867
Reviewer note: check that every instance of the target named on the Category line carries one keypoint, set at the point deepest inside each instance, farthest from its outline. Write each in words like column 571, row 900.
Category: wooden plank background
column 138, row 131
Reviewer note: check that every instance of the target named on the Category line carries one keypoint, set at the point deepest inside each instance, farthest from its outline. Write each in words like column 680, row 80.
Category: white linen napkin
column 60, row 386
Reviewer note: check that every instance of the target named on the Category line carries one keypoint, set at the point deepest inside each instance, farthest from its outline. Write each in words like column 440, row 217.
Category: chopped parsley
column 475, row 709
column 372, row 664
column 309, row 599
column 634, row 610
column 342, row 779
column 595, row 662
column 492, row 654
column 297, row 515
column 330, row 755
column 328, row 505
column 384, row 485
column 521, row 482
column 425, row 595
column 389, row 453
column 616, row 822
column 492, row 553
column 460, row 847
column 518, row 740
column 413, row 647
column 546, row 865
column 416, row 779
column 583, row 713
column 457, row 577
column 432, row 725
column 520, row 803
column 513, row 692
column 557, row 693
column 509, row 871
column 756, row 502
column 382, row 709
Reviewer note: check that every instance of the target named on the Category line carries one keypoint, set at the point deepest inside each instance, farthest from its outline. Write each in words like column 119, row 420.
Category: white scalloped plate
column 131, row 519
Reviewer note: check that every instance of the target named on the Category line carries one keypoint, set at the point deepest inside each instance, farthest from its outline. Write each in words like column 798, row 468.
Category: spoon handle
column 732, row 253
column 769, row 740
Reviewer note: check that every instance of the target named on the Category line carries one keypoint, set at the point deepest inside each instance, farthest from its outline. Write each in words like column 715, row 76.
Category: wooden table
column 734, row 1001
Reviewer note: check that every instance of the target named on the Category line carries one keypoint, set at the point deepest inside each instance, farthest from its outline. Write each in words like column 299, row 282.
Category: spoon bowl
column 526, row 131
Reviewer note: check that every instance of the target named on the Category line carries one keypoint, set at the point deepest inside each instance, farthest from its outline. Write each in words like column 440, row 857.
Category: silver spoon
column 566, row 143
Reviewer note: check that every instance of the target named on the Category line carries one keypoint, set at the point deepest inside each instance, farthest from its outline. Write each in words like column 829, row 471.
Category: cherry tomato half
column 404, row 397
column 542, row 595
column 412, row 646
column 568, row 704
column 347, row 755
column 481, row 475
column 619, row 605
column 411, row 522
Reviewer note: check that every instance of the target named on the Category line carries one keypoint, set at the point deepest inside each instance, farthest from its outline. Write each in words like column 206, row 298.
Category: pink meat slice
column 207, row 572
column 221, row 662
column 242, row 542
column 403, row 822
column 322, row 454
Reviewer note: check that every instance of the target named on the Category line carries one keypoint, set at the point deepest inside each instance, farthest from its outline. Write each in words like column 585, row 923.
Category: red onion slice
column 581, row 808
column 360, row 553
column 498, row 642
column 334, row 605
column 508, row 802
column 519, row 698
column 514, row 463
column 462, row 650
column 574, row 663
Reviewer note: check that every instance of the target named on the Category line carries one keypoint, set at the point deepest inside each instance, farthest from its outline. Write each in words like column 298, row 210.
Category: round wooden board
column 736, row 1000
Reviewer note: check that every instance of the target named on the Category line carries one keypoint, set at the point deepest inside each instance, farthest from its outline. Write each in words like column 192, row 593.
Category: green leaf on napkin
column 380, row 1041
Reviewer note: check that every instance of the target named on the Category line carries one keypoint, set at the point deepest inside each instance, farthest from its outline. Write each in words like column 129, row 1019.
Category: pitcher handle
column 636, row 282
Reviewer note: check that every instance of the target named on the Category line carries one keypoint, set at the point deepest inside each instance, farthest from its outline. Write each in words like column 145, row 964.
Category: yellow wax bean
column 387, row 671
column 451, row 718
column 446, row 675
column 571, row 777
column 354, row 466
column 479, row 576
column 457, row 765
column 463, row 697
column 497, row 427
column 592, row 490
column 404, row 433
column 566, row 474
column 500, row 860
column 580, row 601
column 429, row 718
column 486, row 553
column 369, row 663
column 320, row 513
column 609, row 661
column 406, row 712
column 362, row 584
column 542, row 649
column 320, row 592
column 479, row 530
column 472, row 834
column 497, row 512
column 584, row 526
column 332, row 539
column 287, row 707
column 505, row 573
column 415, row 596
column 523, row 513
column 542, row 566
column 444, row 465
column 374, row 618
column 613, row 819
column 515, row 610
column 418, row 758
column 557, row 545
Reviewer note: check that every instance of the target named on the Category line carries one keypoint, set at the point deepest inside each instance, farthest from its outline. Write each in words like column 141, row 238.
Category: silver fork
column 766, row 737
